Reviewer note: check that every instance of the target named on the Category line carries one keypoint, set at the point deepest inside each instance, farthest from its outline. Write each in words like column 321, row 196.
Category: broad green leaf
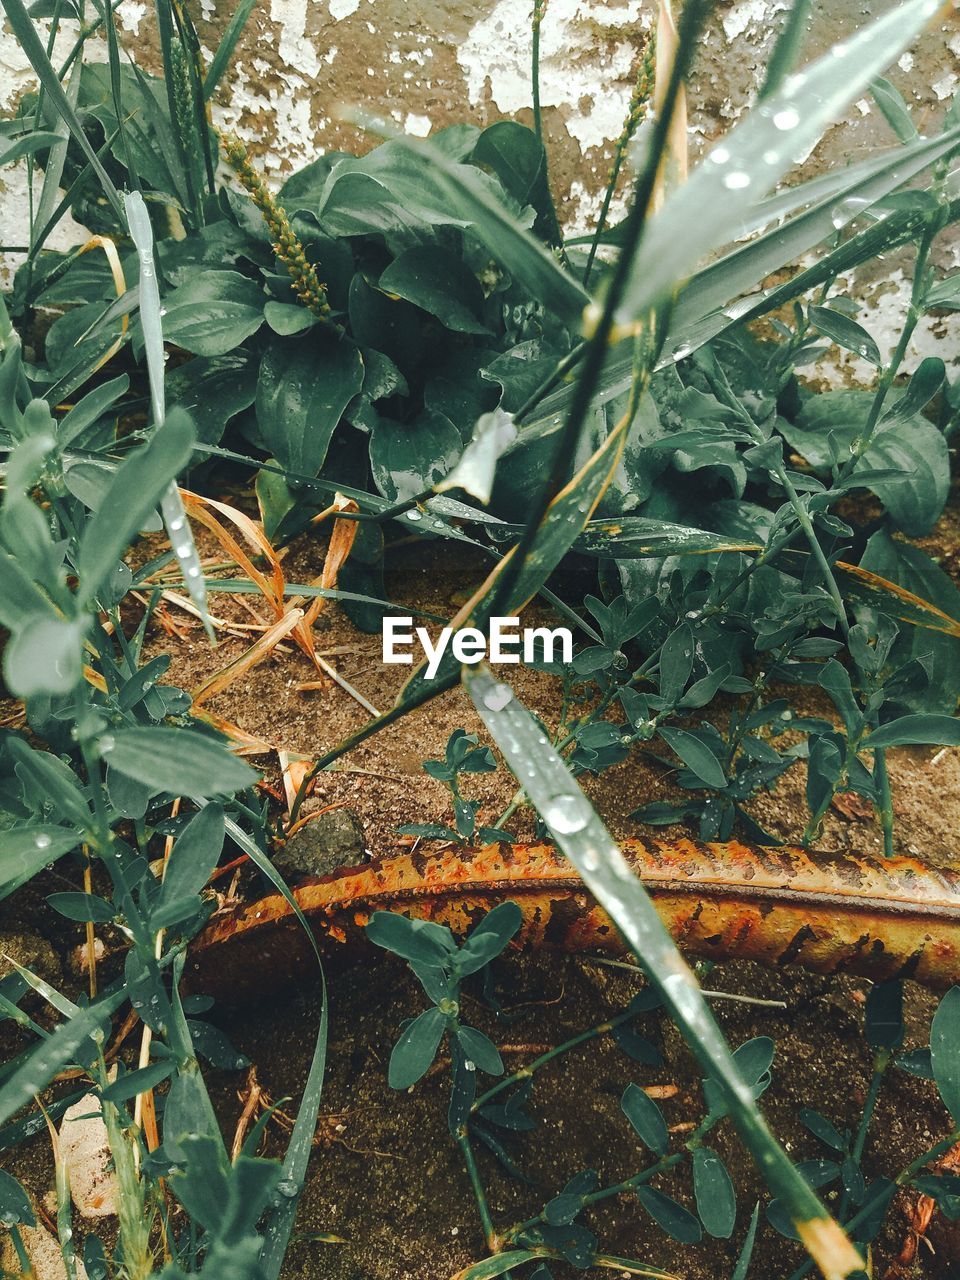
column 646, row 1118
column 714, row 1193
column 514, row 153
column 678, row 1222
column 930, row 730
column 195, row 853
column 926, row 381
column 945, row 1051
column 845, row 333
column 26, row 850
column 582, row 837
column 945, row 293
column 420, row 941
column 439, row 282
column 137, row 488
column 828, row 427
column 304, row 386
column 510, row 243
column 705, row 212
column 414, row 1052
column 288, row 318
column 480, row 1050
column 49, row 781
column 179, row 761
column 19, row 597
column 214, row 390
column 895, row 110
column 934, row 636
column 44, row 655
column 82, row 907
column 213, row 312
column 15, row 1204
column 131, row 1083
column 409, row 458
column 696, row 756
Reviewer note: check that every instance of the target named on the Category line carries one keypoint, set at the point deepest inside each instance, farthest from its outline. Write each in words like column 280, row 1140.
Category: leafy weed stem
column 490, row 1236
column 592, row 1033
column 880, row 1064
column 914, row 312
column 723, row 391
column 628, row 1184
column 901, row 1180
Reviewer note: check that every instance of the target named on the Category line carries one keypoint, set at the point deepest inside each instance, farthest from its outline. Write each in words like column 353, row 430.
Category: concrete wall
column 424, row 65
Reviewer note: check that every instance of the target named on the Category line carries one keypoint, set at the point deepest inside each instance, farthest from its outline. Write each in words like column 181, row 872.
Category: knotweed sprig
column 306, row 283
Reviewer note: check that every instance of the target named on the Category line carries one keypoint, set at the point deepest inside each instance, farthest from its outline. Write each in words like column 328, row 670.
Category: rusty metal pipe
column 829, row 912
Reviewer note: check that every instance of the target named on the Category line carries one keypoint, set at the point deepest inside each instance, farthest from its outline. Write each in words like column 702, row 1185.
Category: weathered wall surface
column 425, row 64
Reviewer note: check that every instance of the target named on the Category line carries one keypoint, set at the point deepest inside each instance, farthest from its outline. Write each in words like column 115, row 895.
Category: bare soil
column 386, row 1177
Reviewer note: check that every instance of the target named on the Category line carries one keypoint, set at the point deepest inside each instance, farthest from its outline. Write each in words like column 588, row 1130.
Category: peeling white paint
column 586, row 75
column 419, row 126
column 296, row 50
column 751, row 16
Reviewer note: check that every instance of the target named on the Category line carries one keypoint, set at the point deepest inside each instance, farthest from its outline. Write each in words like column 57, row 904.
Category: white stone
column 86, row 1152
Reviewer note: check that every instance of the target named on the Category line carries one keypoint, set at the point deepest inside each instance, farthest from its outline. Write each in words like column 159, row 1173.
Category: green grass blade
column 706, row 211
column 279, row 1224
column 54, row 1054
column 225, row 48
column 787, row 48
column 171, row 504
column 582, row 837
column 23, row 28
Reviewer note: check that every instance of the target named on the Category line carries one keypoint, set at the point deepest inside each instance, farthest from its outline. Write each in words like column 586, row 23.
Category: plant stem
column 483, row 1208
column 539, row 9
column 639, row 99
column 601, row 1029
column 914, row 312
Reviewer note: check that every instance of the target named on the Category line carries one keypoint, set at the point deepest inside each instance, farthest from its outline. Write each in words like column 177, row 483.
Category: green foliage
column 445, row 361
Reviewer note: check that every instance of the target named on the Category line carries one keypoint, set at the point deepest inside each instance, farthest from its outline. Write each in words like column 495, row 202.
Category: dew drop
column 288, row 1188
column 786, row 119
column 566, row 814
column 193, row 572
column 737, row 180
column 176, row 525
column 498, row 697
column 469, row 1066
column 107, row 743
column 414, row 514
column 183, row 550
column 719, row 155
column 42, row 841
